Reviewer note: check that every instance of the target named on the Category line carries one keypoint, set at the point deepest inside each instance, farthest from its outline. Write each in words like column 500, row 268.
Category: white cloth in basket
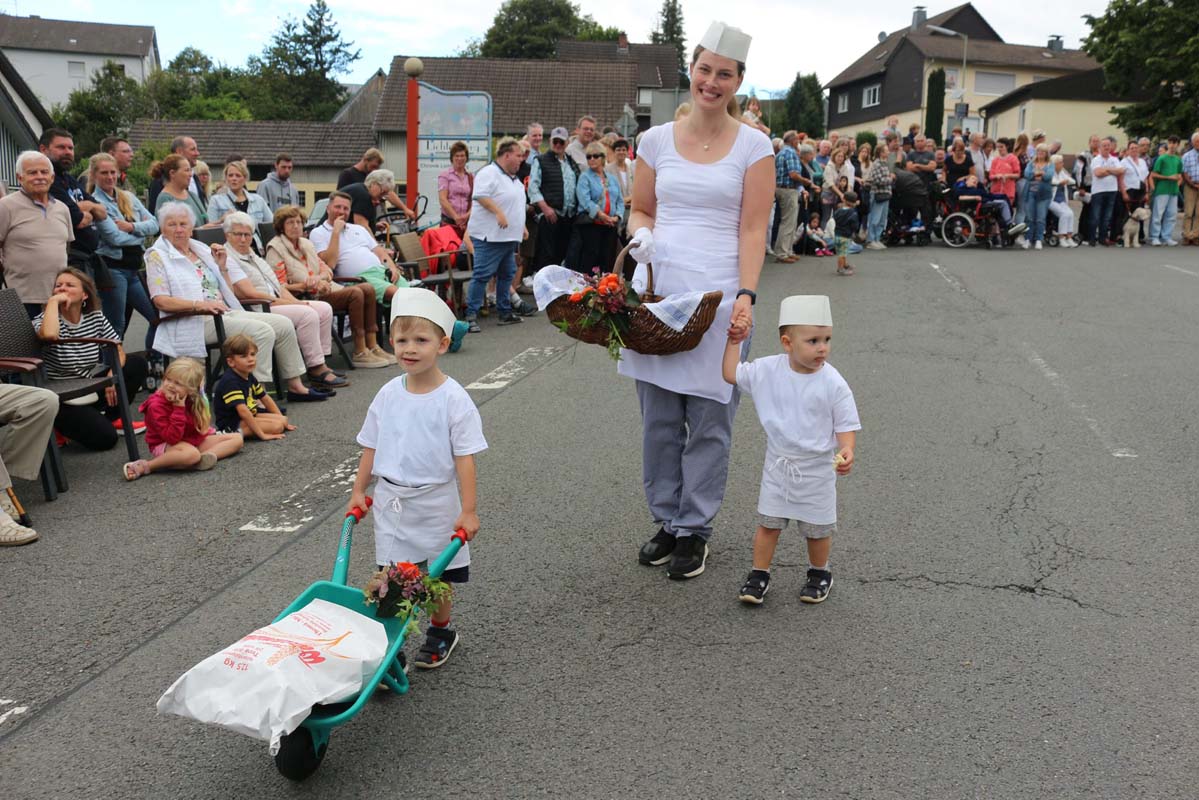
column 552, row 282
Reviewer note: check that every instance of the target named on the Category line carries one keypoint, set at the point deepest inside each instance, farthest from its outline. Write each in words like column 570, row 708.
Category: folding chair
column 428, row 269
column 209, row 236
column 51, row 473
column 19, row 343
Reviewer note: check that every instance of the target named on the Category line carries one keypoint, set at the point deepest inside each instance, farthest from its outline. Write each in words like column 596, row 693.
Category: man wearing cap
column 552, row 181
column 787, row 173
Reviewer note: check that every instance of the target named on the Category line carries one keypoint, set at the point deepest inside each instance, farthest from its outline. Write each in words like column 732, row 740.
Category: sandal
column 136, row 469
column 328, row 380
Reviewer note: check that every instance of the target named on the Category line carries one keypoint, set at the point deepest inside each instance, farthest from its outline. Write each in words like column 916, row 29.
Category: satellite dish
column 882, row 36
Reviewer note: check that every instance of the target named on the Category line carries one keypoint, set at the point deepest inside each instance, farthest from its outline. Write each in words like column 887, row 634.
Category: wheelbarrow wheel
column 297, row 757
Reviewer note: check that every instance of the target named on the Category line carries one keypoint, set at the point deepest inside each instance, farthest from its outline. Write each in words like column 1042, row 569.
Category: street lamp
column 961, row 90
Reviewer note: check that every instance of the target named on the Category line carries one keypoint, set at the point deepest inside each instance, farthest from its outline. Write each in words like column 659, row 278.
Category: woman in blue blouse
column 1039, row 191
column 122, row 236
column 601, row 208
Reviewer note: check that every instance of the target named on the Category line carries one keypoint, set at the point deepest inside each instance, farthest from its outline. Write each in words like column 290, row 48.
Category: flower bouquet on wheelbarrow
column 316, row 666
column 605, row 310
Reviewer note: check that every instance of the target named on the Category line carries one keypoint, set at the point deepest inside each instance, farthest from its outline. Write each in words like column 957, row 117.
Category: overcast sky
column 789, row 36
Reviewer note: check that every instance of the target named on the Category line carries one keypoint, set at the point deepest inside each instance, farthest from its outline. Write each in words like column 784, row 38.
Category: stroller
column 909, row 197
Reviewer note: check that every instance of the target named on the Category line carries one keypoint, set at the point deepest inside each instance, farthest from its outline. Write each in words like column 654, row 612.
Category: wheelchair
column 971, row 219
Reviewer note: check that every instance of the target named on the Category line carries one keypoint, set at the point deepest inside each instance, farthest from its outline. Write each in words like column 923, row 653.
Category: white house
column 56, row 56
column 22, row 120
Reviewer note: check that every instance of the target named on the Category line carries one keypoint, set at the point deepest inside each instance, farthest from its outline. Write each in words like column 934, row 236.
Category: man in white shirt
column 496, row 228
column 1105, row 190
column 351, row 250
column 976, row 155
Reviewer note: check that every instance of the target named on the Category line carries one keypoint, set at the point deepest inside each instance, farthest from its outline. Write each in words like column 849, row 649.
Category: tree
column 110, row 104
column 669, row 30
column 532, row 28
column 805, row 105
column 293, row 78
column 1149, row 50
column 934, row 118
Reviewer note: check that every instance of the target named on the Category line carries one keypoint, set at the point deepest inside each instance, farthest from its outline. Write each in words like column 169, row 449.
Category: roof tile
column 522, row 90
column 59, row 35
column 311, row 144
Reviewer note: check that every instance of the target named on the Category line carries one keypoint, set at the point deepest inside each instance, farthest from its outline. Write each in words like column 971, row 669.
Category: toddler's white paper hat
column 806, row 309
column 725, row 40
column 424, row 304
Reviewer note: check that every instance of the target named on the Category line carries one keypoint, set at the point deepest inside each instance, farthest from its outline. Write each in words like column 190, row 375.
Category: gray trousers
column 685, row 457
column 28, row 416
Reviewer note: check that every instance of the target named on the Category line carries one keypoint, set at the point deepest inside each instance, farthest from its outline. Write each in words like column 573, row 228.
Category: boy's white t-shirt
column 801, row 413
column 416, row 436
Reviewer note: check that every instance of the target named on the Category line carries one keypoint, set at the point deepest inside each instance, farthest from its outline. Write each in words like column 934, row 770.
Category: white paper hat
column 806, row 309
column 725, row 40
column 424, row 304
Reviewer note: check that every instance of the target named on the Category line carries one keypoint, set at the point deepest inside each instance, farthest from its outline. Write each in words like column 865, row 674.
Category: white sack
column 266, row 684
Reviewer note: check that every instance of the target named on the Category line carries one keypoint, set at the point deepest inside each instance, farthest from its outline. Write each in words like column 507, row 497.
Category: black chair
column 18, row 341
column 51, row 473
column 266, row 232
column 213, row 367
column 209, row 236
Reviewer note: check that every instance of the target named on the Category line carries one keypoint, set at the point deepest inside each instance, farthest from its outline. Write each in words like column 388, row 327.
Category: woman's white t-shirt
column 697, row 233
column 416, row 436
column 1136, row 172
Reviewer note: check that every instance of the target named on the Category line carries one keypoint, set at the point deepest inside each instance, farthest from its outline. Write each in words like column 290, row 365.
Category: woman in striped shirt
column 73, row 312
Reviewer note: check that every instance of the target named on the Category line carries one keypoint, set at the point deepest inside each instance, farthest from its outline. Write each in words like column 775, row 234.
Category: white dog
column 1132, row 226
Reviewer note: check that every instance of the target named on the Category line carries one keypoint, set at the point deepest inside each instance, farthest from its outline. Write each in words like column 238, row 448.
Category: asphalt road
column 1013, row 610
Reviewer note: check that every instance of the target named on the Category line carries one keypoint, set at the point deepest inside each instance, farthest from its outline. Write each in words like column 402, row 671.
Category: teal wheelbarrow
column 302, row 750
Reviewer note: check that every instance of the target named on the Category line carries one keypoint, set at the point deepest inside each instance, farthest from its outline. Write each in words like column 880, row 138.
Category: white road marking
column 952, row 281
column 514, row 368
column 1180, row 269
column 1079, row 408
column 298, row 509
column 301, row 507
column 15, row 711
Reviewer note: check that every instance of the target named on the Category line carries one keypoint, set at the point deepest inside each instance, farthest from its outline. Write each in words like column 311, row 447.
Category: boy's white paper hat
column 806, row 309
column 424, row 304
column 725, row 40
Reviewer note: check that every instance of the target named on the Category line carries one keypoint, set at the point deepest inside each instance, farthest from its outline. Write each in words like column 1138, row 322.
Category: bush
column 866, row 136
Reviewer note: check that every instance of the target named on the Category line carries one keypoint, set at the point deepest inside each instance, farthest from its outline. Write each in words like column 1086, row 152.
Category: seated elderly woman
column 601, row 207
column 299, row 268
column 254, row 280
column 234, row 196
column 188, row 289
column 73, row 312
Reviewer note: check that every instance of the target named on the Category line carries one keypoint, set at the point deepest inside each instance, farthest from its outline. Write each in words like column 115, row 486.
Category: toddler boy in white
column 810, row 418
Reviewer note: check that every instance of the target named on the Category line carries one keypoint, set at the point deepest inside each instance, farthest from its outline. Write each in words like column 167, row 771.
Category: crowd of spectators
column 1025, row 183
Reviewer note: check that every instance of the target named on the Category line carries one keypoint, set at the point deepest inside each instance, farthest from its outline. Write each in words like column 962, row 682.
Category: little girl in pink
column 179, row 429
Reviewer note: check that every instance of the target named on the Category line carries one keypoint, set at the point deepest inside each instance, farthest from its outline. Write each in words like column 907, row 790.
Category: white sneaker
column 1036, row 246
column 7, row 506
column 1171, row 243
column 14, row 535
column 1154, row 243
column 1023, row 244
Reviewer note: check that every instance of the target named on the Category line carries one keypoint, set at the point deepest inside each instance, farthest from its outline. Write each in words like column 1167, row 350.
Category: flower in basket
column 402, row 590
column 608, row 300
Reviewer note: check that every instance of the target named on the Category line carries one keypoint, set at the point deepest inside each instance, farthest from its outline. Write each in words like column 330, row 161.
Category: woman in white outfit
column 701, row 201
column 1059, row 206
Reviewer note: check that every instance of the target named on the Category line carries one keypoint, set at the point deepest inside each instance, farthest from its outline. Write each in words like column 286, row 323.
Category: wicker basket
column 647, row 334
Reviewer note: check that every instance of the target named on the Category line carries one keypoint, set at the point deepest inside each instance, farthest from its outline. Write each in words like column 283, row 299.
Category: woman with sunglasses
column 601, row 207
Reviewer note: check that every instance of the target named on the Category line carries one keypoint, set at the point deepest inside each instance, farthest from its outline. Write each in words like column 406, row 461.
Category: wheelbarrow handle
column 460, row 535
column 358, row 513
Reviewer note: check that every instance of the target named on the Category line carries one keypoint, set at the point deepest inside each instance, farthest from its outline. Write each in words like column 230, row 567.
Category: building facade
column 891, row 79
column 55, row 57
